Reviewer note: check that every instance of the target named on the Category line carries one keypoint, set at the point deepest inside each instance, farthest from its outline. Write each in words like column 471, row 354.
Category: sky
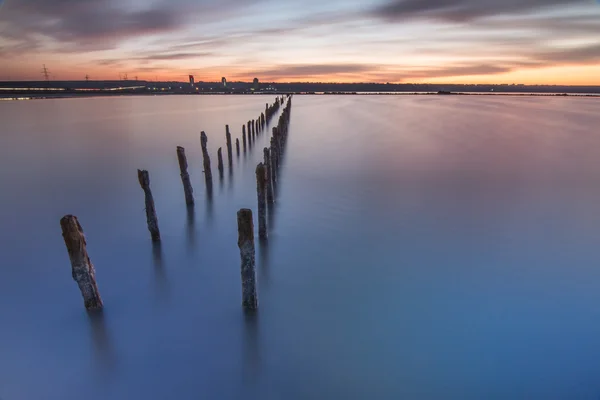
column 399, row 41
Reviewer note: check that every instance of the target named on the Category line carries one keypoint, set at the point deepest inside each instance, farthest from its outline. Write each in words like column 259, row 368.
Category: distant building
column 224, row 82
column 255, row 84
column 192, row 80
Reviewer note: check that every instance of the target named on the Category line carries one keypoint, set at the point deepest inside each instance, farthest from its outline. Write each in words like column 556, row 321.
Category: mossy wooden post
column 82, row 268
column 185, row 177
column 206, row 159
column 220, row 161
column 247, row 252
column 229, row 146
column 268, row 173
column 151, row 218
column 237, row 146
column 262, row 203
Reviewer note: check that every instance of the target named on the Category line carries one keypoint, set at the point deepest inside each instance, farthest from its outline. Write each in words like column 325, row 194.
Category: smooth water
column 421, row 248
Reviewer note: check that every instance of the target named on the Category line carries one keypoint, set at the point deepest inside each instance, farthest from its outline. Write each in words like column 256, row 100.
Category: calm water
column 421, row 248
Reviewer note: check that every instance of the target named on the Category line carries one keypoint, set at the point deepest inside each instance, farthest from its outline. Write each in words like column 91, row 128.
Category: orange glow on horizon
column 583, row 75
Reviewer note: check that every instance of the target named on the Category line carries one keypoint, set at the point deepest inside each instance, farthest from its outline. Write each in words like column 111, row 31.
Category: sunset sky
column 450, row 41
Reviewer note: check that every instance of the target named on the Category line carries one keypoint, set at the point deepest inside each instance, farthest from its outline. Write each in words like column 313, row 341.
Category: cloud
column 464, row 10
column 173, row 56
column 82, row 24
column 85, row 21
column 576, row 55
column 312, row 70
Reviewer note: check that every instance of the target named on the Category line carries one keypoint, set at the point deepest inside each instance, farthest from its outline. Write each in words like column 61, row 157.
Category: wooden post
column 185, row 177
column 277, row 141
column 253, row 130
column 206, row 159
column 248, row 267
column 268, row 173
column 220, row 161
column 229, row 147
column 151, row 218
column 262, row 204
column 274, row 162
column 82, row 268
column 237, row 146
column 244, row 136
column 249, row 131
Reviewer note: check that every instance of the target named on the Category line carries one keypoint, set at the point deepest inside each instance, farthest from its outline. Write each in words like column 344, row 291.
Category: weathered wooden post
column 273, row 155
column 268, row 173
column 262, row 204
column 185, row 177
column 277, row 141
column 244, row 136
column 248, row 267
column 220, row 161
column 151, row 218
column 206, row 159
column 237, row 146
column 229, row 147
column 253, row 130
column 82, row 268
column 274, row 158
column 249, row 131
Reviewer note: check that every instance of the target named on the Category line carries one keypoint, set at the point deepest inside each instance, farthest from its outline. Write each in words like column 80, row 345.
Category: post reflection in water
column 104, row 352
column 209, row 204
column 160, row 275
column 191, row 226
column 251, row 349
column 264, row 254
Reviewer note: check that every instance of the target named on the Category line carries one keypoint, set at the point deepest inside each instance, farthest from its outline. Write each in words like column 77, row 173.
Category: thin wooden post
column 253, row 130
column 277, row 141
column 262, row 204
column 151, row 218
column 268, row 173
column 220, row 161
column 247, row 252
column 82, row 268
column 244, row 136
column 237, row 146
column 185, row 177
column 274, row 162
column 229, row 147
column 206, row 159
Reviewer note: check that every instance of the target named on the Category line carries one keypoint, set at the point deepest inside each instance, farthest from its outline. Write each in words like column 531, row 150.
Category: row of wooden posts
column 267, row 177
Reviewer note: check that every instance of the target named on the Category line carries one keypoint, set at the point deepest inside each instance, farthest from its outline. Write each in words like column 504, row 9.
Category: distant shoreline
column 38, row 96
